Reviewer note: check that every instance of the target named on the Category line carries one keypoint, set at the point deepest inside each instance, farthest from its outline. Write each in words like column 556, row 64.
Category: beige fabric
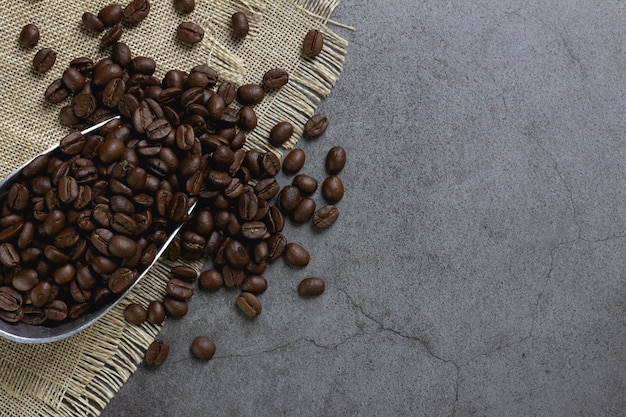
column 78, row 376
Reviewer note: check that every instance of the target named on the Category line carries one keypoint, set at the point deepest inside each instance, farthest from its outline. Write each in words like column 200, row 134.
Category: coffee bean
column 142, row 65
column 228, row 91
column 136, row 11
column 44, row 60
column 315, row 126
column 175, row 308
column 121, row 279
column 325, row 217
column 157, row 353
column 239, row 21
column 250, row 94
column 277, row 244
column 332, row 189
column 294, row 161
column 311, row 287
column 156, row 312
column 185, row 273
column 247, row 118
column 25, row 279
column 72, row 144
column 56, row 92
column 185, row 6
column 10, row 299
column 280, row 133
column 255, row 284
column 211, row 280
column 304, row 211
column 29, row 36
column 270, row 164
column 296, row 255
column 190, row 32
column 121, row 246
column 179, row 289
column 289, row 198
column 135, row 313
column 113, row 92
column 249, row 304
column 121, row 54
column 104, row 73
column 335, row 160
column 111, row 14
column 313, row 43
column 56, row 310
column 40, row 294
column 113, row 35
column 18, row 197
column 275, row 78
column 203, row 348
column 92, row 22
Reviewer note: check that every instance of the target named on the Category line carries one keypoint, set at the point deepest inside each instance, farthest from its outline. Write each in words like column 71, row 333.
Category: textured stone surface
column 477, row 267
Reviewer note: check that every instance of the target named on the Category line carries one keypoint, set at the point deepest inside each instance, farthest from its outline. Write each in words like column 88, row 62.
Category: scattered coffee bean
column 294, row 161
column 335, row 160
column 304, row 211
column 255, row 284
column 44, row 60
column 305, row 183
column 111, row 14
column 250, row 94
column 185, row 6
column 211, row 280
column 313, row 43
column 275, row 78
column 135, row 313
column 325, row 217
column 249, row 304
column 136, row 11
column 332, row 189
column 29, row 36
column 113, row 35
column 156, row 312
column 190, row 32
column 311, row 287
column 157, row 353
column 92, row 22
column 315, row 126
column 296, row 255
column 280, row 133
column 203, row 348
column 239, row 21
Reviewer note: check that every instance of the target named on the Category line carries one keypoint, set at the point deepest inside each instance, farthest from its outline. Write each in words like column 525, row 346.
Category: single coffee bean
column 111, row 14
column 121, row 279
column 113, row 92
column 289, row 198
column 83, row 64
column 10, row 299
column 175, row 308
column 280, row 133
column 296, row 255
column 40, row 294
column 211, row 280
column 56, row 92
column 185, row 6
column 313, row 43
column 315, row 126
column 216, row 106
column 105, row 73
column 185, row 273
column 305, row 183
column 25, row 279
column 250, row 94
column 311, row 287
column 29, row 36
column 142, row 65
column 156, row 312
column 335, row 160
column 190, row 32
column 56, row 310
column 294, row 161
column 53, row 223
column 270, row 164
column 267, row 188
column 84, row 105
column 18, row 197
column 67, row 189
column 121, row 54
column 121, row 246
column 72, row 144
column 275, row 220
column 325, row 217
column 276, row 244
column 179, row 289
column 113, row 35
column 228, row 91
column 249, row 304
column 111, row 150
column 240, row 24
column 44, row 60
column 64, row 274
column 253, row 230
column 92, row 22
column 136, row 11
column 255, row 284
column 275, row 78
column 157, row 353
column 304, row 211
column 135, row 313
column 247, row 118
column 203, row 348
column 332, row 189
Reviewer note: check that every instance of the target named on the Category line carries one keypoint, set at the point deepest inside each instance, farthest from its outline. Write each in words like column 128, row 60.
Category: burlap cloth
column 78, row 376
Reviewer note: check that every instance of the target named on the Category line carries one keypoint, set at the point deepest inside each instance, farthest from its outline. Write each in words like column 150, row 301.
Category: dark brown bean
column 250, row 94
column 311, row 287
column 135, row 313
column 111, row 14
column 203, row 348
column 313, row 43
column 294, row 161
column 315, row 126
column 211, row 280
column 185, row 6
column 157, row 353
column 92, row 22
column 136, row 11
column 249, row 304
column 275, row 78
column 113, row 35
column 121, row 54
column 190, row 32
column 239, row 22
column 44, row 60
column 335, row 160
column 296, row 255
column 255, row 284
column 179, row 289
column 156, row 312
column 121, row 279
column 325, row 217
column 185, row 273
column 304, row 211
column 56, row 92
column 305, row 183
column 29, row 36
column 175, row 308
column 332, row 189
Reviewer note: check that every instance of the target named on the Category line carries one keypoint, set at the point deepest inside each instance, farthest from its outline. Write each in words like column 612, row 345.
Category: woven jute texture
column 79, row 375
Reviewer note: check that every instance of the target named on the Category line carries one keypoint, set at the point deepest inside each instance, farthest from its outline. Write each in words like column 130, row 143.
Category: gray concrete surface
column 478, row 267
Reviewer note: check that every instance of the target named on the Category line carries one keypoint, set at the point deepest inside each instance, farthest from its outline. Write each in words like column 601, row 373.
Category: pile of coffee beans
column 81, row 223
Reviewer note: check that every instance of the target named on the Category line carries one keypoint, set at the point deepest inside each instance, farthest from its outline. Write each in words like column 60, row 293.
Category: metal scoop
column 31, row 334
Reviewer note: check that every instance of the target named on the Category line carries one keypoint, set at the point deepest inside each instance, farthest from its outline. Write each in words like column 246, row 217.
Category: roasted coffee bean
column 177, row 209
column 67, row 116
column 54, row 255
column 29, row 36
column 211, row 280
column 304, row 211
column 190, row 32
column 296, row 255
column 142, row 65
column 233, row 277
column 253, row 230
column 44, row 60
column 113, row 35
column 270, row 164
column 185, row 6
column 175, row 308
column 56, row 92
column 25, row 279
column 289, row 198
column 315, row 126
column 280, row 133
column 275, row 78
column 185, row 273
column 111, row 150
column 156, row 312
column 294, row 161
column 332, row 189
column 54, row 223
column 104, row 73
column 249, row 304
column 121, row 279
column 275, row 220
column 10, row 226
column 121, row 54
column 83, row 64
column 92, row 22
column 64, row 274
column 208, row 72
column 276, row 244
column 79, row 294
column 250, row 94
column 325, row 217
column 185, row 137
column 203, row 348
column 72, row 144
column 56, row 310
column 27, row 234
column 84, row 105
column 228, row 91
column 135, row 313
column 236, row 254
column 113, row 92
column 267, row 188
column 255, row 284
column 136, row 11
column 305, row 183
column 10, row 299
column 311, row 287
column 179, row 289
column 239, row 22
column 247, row 118
column 158, row 130
column 335, row 160
column 40, row 294
column 18, row 197
column 313, row 43
column 67, row 238
column 111, row 14
column 157, row 353
column 121, row 246
column 248, row 204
